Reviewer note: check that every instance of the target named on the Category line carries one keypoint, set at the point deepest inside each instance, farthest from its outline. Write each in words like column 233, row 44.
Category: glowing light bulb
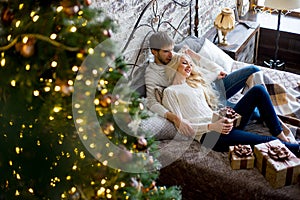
column 27, row 67
column 36, row 93
column 73, row 29
column 91, row 51
column 101, row 191
column 53, row 64
column 18, row 23
column 75, row 68
column 18, row 176
column 25, row 39
column 57, row 109
column 74, row 167
column 21, row 6
column 82, row 156
column 104, row 91
column 53, row 36
column 47, row 89
column 13, row 83
column 59, row 9
column 73, row 190
column 3, row 62
column 35, row 18
column 116, row 187
column 57, row 88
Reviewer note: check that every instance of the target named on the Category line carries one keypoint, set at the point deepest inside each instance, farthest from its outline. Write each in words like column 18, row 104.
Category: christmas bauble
column 87, row 2
column 7, row 16
column 141, row 144
column 125, row 156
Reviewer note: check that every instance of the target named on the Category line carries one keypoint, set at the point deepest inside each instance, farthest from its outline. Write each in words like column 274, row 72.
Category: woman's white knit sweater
column 155, row 77
column 189, row 104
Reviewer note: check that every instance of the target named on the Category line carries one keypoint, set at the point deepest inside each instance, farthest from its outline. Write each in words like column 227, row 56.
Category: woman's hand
column 223, row 126
column 222, row 75
column 186, row 50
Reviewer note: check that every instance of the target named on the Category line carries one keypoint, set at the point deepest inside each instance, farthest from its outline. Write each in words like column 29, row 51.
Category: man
column 161, row 46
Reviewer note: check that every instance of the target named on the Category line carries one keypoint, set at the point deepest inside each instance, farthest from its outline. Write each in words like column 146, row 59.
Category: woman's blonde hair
column 194, row 80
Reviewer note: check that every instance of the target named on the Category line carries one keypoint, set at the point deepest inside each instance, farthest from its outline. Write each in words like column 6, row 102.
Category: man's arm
column 153, row 80
column 183, row 127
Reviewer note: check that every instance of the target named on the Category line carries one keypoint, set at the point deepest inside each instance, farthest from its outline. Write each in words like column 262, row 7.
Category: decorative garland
column 41, row 37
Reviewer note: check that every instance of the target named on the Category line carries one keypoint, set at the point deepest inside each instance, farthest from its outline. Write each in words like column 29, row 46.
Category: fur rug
column 206, row 174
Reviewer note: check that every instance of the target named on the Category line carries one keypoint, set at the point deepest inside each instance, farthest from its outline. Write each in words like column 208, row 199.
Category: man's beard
column 163, row 61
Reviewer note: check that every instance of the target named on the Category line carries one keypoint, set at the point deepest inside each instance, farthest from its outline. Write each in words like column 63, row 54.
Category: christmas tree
column 69, row 122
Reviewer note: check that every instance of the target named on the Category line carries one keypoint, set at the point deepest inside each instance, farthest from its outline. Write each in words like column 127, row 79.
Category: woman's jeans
column 236, row 80
column 258, row 97
column 233, row 83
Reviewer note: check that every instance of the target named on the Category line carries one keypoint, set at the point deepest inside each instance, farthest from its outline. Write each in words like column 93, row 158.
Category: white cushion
column 217, row 55
column 192, row 42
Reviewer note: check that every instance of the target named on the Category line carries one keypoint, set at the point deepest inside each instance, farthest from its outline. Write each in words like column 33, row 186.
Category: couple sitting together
column 192, row 87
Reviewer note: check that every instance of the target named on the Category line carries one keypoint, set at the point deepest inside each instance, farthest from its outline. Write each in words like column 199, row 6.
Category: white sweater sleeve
column 209, row 69
column 153, row 80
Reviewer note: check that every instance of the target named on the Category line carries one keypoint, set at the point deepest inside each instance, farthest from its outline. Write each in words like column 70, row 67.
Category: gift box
column 228, row 113
column 277, row 163
column 241, row 157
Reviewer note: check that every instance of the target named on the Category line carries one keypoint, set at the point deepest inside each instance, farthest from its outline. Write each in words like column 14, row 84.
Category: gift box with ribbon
column 229, row 114
column 241, row 157
column 277, row 163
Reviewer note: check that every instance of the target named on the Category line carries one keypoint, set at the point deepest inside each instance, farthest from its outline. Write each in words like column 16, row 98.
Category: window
column 261, row 3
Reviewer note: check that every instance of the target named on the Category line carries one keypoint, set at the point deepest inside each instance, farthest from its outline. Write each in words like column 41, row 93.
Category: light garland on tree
column 44, row 138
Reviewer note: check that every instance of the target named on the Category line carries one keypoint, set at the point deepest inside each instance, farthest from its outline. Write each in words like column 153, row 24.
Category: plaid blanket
column 286, row 101
column 284, row 90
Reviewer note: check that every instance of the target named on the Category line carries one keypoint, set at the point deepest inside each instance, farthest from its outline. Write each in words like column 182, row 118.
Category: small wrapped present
column 277, row 163
column 241, row 157
column 228, row 113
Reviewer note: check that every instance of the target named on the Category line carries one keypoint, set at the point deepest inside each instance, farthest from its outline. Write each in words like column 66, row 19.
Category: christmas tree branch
column 40, row 37
column 4, row 48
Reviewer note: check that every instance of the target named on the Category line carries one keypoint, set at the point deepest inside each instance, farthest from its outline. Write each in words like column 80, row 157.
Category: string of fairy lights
column 24, row 44
column 25, row 48
column 266, row 10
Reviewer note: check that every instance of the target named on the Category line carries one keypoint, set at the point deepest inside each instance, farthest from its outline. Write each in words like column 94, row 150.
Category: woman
column 194, row 100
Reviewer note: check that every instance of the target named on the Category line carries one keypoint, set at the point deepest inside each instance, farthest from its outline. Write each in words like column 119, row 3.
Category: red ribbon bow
column 242, row 150
column 278, row 153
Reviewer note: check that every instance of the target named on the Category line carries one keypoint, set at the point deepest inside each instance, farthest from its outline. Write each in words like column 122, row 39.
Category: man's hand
column 222, row 75
column 182, row 126
column 185, row 128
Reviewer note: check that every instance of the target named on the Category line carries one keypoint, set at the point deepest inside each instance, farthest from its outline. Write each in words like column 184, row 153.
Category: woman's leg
column 236, row 80
column 258, row 97
column 237, row 136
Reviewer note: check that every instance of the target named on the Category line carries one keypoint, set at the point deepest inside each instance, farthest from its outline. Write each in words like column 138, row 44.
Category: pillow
column 161, row 129
column 192, row 42
column 217, row 55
